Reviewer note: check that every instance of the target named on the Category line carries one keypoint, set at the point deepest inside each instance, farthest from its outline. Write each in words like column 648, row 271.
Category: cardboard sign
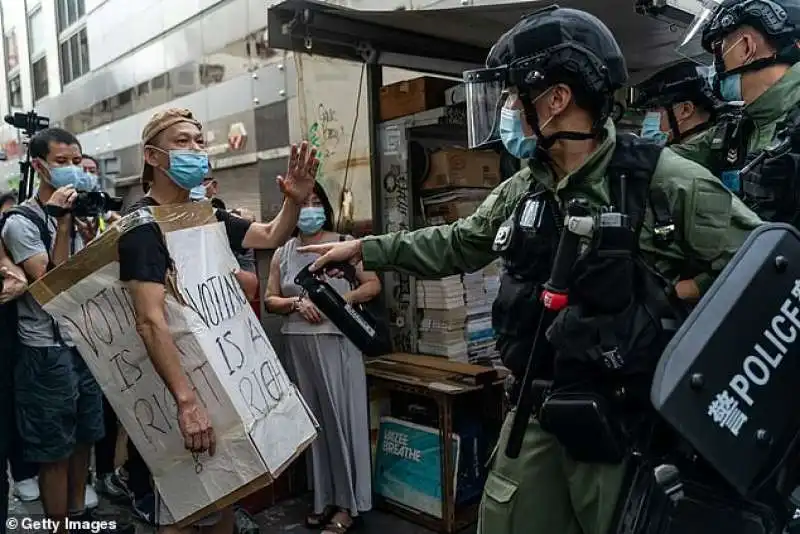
column 260, row 421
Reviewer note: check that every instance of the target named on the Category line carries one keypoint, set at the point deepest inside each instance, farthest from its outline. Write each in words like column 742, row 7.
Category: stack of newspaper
column 480, row 290
column 444, row 314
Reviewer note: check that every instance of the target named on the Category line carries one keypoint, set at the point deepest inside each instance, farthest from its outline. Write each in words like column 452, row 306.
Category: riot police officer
column 678, row 102
column 755, row 49
column 547, row 94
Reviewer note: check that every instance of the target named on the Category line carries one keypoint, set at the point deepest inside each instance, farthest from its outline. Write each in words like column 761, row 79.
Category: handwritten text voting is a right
column 259, row 418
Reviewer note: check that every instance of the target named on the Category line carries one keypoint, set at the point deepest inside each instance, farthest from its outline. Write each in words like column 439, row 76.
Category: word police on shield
column 728, row 378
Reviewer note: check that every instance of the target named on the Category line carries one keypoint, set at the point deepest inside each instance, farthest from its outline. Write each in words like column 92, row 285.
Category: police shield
column 728, row 382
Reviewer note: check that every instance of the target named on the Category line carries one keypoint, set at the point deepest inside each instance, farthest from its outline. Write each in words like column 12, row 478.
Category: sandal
column 336, row 527
column 317, row 521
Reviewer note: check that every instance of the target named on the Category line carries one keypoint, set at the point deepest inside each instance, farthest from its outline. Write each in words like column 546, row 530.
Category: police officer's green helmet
column 777, row 20
column 553, row 45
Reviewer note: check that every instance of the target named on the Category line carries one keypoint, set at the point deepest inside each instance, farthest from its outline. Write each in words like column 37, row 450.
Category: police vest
column 769, row 180
column 610, row 282
column 729, row 147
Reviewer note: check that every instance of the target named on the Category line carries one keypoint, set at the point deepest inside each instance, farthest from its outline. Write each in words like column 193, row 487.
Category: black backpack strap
column 47, row 240
column 630, row 173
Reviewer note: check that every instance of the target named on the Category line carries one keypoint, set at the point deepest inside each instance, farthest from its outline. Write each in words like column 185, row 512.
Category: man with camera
column 58, row 402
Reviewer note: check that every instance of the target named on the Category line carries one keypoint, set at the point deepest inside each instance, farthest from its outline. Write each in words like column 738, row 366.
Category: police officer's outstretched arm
column 711, row 222
column 437, row 251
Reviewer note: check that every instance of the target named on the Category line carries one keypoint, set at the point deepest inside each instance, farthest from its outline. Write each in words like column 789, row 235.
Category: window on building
column 12, row 51
column 69, row 12
column 239, row 57
column 40, row 86
column 36, row 33
column 74, row 56
column 15, row 92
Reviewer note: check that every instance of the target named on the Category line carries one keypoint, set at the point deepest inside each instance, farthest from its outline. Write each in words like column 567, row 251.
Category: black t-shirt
column 143, row 255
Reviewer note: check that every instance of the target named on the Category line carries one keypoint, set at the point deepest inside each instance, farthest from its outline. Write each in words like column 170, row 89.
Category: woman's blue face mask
column 311, row 220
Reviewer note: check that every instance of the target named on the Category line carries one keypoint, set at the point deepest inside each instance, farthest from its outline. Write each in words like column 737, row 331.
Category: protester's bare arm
column 295, row 186
column 274, row 301
column 275, row 233
column 151, row 324
column 369, row 285
column 248, row 282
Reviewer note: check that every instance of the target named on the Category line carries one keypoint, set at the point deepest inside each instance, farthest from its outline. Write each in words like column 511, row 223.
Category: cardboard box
column 448, row 212
column 260, row 421
column 412, row 96
column 457, row 167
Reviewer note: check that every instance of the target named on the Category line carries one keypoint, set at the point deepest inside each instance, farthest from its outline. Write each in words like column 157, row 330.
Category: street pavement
column 287, row 516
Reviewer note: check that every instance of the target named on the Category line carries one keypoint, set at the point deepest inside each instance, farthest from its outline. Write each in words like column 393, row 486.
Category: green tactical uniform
column 564, row 496
column 765, row 112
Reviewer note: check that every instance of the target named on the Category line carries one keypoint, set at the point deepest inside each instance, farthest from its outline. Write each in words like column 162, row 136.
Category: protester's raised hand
column 195, row 425
column 300, row 174
column 341, row 251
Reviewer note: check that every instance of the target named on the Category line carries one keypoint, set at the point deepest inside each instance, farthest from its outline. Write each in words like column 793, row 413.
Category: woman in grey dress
column 330, row 374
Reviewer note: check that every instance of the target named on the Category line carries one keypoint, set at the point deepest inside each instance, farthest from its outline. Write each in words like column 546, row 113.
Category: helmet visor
column 690, row 44
column 484, row 94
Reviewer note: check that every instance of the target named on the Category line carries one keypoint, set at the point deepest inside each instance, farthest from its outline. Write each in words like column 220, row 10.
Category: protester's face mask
column 63, row 176
column 651, row 127
column 311, row 220
column 513, row 135
column 187, row 168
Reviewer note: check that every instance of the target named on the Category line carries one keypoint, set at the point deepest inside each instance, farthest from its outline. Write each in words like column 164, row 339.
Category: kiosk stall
column 420, row 176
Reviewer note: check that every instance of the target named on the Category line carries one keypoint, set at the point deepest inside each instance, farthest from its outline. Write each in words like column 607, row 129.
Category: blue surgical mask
column 514, row 139
column 651, row 127
column 730, row 88
column 86, row 182
column 311, row 220
column 198, row 192
column 67, row 175
column 187, row 168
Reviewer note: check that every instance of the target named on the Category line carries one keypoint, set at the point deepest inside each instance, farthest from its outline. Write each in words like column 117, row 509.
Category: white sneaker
column 91, row 501
column 27, row 490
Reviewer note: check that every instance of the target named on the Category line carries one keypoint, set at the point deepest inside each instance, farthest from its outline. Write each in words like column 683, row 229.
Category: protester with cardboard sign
column 175, row 162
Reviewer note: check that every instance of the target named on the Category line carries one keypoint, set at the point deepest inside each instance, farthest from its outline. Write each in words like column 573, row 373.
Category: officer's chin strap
column 547, row 141
column 787, row 56
column 673, row 125
column 693, row 130
column 677, row 136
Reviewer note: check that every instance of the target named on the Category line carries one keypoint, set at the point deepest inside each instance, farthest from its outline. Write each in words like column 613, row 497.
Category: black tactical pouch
column 621, row 345
column 581, row 422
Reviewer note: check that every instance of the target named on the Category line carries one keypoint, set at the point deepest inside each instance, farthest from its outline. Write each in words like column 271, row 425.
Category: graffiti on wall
column 327, row 135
